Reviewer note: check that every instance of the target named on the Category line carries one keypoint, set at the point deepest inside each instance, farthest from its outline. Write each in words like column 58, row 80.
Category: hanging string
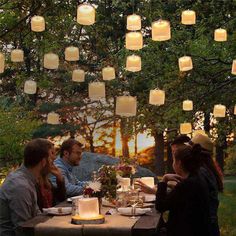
column 133, row 6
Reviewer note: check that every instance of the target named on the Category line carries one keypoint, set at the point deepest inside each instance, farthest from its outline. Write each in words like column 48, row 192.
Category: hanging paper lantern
column 17, row 55
column 37, row 24
column 126, row 106
column 108, row 73
column 233, row 71
column 157, row 97
column 219, row 110
column 134, row 41
column 235, row 110
column 30, row 87
column 185, row 63
column 51, row 61
column 187, row 105
column 161, row 30
column 2, row 62
column 133, row 63
column 72, row 54
column 220, row 35
column 97, row 90
column 53, row 118
column 188, row 17
column 199, row 131
column 133, row 22
column 185, row 128
column 78, row 75
column 85, row 14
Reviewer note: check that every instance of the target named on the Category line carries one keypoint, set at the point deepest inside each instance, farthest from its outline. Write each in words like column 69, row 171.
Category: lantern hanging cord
column 133, row 6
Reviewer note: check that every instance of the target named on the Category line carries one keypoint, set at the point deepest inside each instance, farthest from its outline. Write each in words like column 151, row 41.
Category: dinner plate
column 58, row 211
column 127, row 211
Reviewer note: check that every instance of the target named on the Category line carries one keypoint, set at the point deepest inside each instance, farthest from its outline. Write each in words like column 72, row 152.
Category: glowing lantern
column 133, row 22
column 234, row 67
column 2, row 62
column 125, row 183
column 126, row 106
column 78, row 75
column 53, row 118
column 134, row 41
column 108, row 73
column 97, row 90
column 86, row 14
column 51, row 61
column 188, row 17
column 185, row 128
column 37, row 24
column 220, row 35
column 185, row 63
column 235, row 110
column 157, row 97
column 219, row 110
column 30, row 87
column 149, row 181
column 88, row 208
column 17, row 55
column 133, row 63
column 161, row 30
column 72, row 54
column 187, row 105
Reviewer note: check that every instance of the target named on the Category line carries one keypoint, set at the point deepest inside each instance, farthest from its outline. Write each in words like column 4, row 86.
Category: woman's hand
column 145, row 188
column 172, row 177
column 55, row 171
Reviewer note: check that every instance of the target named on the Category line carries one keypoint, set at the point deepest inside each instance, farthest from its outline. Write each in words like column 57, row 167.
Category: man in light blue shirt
column 70, row 156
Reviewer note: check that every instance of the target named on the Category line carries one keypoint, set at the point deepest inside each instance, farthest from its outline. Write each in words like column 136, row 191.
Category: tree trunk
column 91, row 144
column 124, row 139
column 220, row 154
column 207, row 122
column 159, row 153
column 169, row 158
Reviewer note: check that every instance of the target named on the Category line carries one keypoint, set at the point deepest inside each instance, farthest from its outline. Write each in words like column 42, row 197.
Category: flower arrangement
column 126, row 168
column 93, row 189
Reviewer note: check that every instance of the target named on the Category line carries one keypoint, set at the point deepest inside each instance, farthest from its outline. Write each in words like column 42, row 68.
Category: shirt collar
column 67, row 165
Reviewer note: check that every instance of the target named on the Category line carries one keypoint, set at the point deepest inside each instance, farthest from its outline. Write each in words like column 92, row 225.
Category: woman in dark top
column 188, row 203
column 47, row 194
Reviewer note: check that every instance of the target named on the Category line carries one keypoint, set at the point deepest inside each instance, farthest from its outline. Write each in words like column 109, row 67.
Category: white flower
column 95, row 185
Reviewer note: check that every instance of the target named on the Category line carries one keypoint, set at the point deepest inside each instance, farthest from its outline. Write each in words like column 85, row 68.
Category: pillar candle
column 88, row 208
column 30, row 87
column 17, row 55
column 219, row 110
column 157, row 97
column 185, row 63
column 134, row 40
column 220, row 35
column 97, row 90
column 188, row 17
column 187, row 105
column 2, row 62
column 133, row 22
column 108, row 73
column 185, row 128
column 133, row 63
column 78, row 75
column 37, row 24
column 51, row 61
column 72, row 54
column 161, row 30
column 85, row 14
column 126, row 106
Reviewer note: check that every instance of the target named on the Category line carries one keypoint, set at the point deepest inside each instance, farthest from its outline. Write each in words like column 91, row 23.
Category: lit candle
column 37, row 24
column 133, row 22
column 78, row 75
column 161, row 30
column 157, row 97
column 134, row 40
column 188, row 17
column 51, row 61
column 72, row 54
column 234, row 67
column 149, row 181
column 97, row 90
column 220, row 35
column 30, row 87
column 185, row 63
column 187, row 105
column 2, row 62
column 185, row 128
column 86, row 14
column 219, row 110
column 17, row 55
column 133, row 63
column 53, row 118
column 108, row 73
column 126, row 106
column 88, row 208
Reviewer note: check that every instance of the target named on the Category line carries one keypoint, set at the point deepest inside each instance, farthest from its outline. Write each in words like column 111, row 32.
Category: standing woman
column 188, row 202
column 47, row 194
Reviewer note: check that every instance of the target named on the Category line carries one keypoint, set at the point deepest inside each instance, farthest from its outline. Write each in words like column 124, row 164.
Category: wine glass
column 133, row 200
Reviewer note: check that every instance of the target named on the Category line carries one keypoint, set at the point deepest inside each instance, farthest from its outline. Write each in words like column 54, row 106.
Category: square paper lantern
column 187, row 105
column 97, row 90
column 220, row 35
column 185, row 128
column 37, row 24
column 51, row 61
column 72, row 53
column 219, row 110
column 88, row 208
column 161, row 30
column 157, row 97
column 17, row 55
column 85, row 14
column 30, row 87
column 2, row 62
column 133, row 63
column 233, row 71
column 53, row 118
column 78, row 75
column 188, row 17
column 134, row 40
column 185, row 63
column 108, row 73
column 149, row 181
column 126, row 106
column 134, row 22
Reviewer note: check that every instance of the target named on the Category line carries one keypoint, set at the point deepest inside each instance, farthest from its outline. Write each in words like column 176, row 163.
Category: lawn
column 227, row 209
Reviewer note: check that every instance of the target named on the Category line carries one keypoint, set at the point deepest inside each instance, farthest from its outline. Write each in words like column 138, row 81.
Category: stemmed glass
column 133, row 200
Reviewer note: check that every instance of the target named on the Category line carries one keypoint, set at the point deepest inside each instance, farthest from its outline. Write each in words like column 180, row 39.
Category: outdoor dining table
column 115, row 225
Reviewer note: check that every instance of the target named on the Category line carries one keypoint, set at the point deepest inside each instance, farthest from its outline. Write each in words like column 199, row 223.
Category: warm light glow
column 185, row 128
column 53, row 118
column 134, row 41
column 86, row 14
column 78, row 75
column 17, row 55
column 133, row 63
column 149, row 181
column 126, row 106
column 37, row 24
column 157, row 97
column 161, row 30
column 88, row 207
column 133, row 22
column 234, row 67
column 188, row 17
column 185, row 63
column 51, row 61
column 220, row 35
column 97, row 90
column 30, row 87
column 187, row 105
column 72, row 53
column 2, row 62
column 219, row 110
column 108, row 73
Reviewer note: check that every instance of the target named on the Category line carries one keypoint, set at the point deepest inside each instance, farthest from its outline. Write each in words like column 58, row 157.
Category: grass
column 227, row 208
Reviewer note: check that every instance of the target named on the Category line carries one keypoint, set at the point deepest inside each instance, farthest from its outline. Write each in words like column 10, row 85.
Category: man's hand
column 172, row 177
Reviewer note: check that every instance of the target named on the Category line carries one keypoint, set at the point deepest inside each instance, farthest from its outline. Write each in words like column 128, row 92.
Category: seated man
column 70, row 156
column 18, row 197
